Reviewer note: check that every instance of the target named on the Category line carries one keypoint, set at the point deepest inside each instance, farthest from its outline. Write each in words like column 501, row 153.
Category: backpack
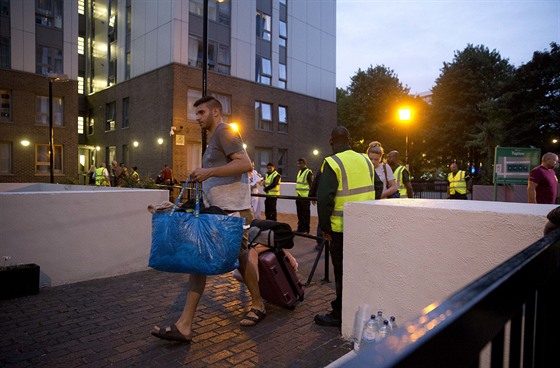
column 273, row 234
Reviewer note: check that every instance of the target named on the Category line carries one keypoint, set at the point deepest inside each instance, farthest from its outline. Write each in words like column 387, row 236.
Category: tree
column 533, row 97
column 461, row 98
column 368, row 106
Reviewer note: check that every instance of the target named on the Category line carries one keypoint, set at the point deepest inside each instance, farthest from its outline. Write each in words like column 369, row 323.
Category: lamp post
column 52, row 77
column 405, row 116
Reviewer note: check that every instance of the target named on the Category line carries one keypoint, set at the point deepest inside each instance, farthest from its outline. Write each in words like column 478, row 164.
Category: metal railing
column 515, row 304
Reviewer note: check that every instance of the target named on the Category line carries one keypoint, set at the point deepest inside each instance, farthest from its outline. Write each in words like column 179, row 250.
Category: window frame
column 6, row 158
column 282, row 119
column 42, row 117
column 110, row 116
column 263, row 116
column 58, row 159
column 5, row 105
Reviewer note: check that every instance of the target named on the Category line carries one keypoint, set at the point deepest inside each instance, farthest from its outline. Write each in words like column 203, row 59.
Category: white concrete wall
column 288, row 205
column 76, row 233
column 401, row 255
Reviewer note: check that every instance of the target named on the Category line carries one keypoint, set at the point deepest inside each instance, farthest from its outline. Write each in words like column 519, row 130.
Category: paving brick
column 106, row 322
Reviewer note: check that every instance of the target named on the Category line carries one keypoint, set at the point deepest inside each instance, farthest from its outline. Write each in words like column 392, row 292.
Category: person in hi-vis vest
column 272, row 189
column 401, row 174
column 346, row 176
column 304, row 180
column 457, row 188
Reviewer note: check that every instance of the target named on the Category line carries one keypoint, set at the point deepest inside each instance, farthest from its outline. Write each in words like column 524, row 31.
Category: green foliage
column 533, row 98
column 479, row 101
column 367, row 107
column 461, row 103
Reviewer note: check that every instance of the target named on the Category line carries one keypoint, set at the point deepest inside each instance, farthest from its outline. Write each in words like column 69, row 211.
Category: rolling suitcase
column 278, row 282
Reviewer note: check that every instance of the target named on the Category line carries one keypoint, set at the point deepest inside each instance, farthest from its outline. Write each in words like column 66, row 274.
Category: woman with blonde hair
column 390, row 188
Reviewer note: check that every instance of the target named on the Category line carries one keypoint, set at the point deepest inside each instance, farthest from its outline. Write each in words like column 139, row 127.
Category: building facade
column 134, row 68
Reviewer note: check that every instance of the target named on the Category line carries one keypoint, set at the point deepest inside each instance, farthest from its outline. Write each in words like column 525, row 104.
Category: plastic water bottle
column 360, row 320
column 379, row 319
column 392, row 324
column 382, row 332
column 369, row 335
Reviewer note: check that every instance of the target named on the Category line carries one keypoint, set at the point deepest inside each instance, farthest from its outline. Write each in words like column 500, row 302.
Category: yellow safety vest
column 302, row 186
column 355, row 174
column 457, row 183
column 100, row 177
column 269, row 179
column 399, row 178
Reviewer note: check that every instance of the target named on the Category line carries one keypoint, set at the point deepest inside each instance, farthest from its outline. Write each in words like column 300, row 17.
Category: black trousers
column 270, row 208
column 458, row 196
column 303, row 208
column 335, row 249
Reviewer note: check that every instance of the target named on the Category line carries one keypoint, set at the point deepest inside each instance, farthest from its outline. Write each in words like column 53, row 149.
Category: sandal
column 252, row 320
column 170, row 333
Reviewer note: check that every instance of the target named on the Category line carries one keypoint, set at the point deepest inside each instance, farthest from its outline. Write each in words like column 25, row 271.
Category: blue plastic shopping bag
column 193, row 242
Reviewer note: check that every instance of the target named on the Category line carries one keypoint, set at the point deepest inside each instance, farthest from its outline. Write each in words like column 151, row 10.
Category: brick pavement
column 106, row 322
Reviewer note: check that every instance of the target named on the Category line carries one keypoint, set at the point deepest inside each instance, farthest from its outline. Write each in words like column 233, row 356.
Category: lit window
column 217, row 11
column 263, row 116
column 42, row 159
column 42, row 111
column 81, row 45
column 81, row 7
column 80, row 125
column 81, row 85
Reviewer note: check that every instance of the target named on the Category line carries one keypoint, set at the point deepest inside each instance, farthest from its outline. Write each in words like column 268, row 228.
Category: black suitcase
column 278, row 282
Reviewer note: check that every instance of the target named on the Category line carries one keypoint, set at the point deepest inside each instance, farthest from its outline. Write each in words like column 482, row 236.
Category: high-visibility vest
column 399, row 178
column 100, row 176
column 302, row 185
column 457, row 183
column 355, row 174
column 269, row 179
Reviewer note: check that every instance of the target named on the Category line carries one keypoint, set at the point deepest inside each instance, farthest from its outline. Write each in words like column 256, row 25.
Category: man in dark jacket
column 353, row 173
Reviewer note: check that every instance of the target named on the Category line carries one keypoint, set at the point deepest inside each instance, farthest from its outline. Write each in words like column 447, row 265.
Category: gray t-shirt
column 231, row 193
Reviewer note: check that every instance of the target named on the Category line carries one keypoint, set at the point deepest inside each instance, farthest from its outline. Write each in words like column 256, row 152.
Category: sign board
column 512, row 165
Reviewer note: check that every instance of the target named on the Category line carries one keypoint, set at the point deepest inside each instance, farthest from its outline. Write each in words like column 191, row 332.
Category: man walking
column 543, row 183
column 345, row 176
column 401, row 174
column 304, row 180
column 225, row 182
column 272, row 189
column 102, row 176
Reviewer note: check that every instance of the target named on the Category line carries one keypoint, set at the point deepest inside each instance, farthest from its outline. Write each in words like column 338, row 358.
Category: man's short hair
column 301, row 159
column 212, row 102
column 270, row 164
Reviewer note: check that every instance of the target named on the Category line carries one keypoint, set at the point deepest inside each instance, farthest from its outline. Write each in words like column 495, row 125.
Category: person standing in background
column 255, row 179
column 401, row 174
column 457, row 183
column 102, row 176
column 304, row 180
column 272, row 189
column 542, row 186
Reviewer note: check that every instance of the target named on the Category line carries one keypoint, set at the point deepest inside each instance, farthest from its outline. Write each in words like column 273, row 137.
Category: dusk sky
column 415, row 37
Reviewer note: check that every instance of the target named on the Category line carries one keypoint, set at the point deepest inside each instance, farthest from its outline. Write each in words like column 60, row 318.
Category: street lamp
column 405, row 116
column 53, row 77
column 205, row 61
